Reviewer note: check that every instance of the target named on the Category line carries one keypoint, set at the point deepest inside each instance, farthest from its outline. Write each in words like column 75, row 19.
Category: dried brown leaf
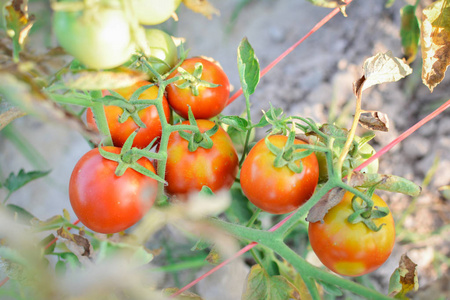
column 186, row 295
column 203, row 7
column 78, row 239
column 8, row 113
column 374, row 120
column 435, row 40
column 331, row 199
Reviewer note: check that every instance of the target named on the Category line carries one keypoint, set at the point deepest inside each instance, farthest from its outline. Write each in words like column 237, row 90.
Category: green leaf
column 60, row 268
column 382, row 68
column 206, row 191
column 45, row 241
column 22, row 215
column 262, row 286
column 248, row 66
column 15, row 182
column 409, row 32
column 331, row 289
column 137, row 255
column 389, row 3
column 70, row 258
column 238, row 123
column 239, row 211
column 270, row 115
column 435, row 42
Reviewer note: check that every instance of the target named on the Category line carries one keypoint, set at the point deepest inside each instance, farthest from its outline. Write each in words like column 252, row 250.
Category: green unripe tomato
column 100, row 38
column 163, row 51
column 153, row 12
column 358, row 158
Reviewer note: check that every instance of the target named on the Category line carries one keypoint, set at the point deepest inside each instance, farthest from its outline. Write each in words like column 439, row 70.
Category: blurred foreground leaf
column 15, row 182
column 203, row 7
column 8, row 113
column 435, row 42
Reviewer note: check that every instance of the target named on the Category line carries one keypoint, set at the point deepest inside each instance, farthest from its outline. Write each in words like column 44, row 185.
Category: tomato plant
column 149, row 116
column 277, row 190
column 195, row 92
column 189, row 171
column 153, row 12
column 107, row 203
column 98, row 37
column 352, row 249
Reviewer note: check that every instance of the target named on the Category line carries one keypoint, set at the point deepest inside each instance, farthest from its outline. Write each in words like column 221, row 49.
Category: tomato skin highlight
column 277, row 190
column 352, row 249
column 100, row 39
column 210, row 101
column 188, row 172
column 107, row 203
column 149, row 116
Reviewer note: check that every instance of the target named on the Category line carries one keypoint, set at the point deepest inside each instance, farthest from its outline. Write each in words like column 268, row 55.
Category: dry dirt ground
column 314, row 81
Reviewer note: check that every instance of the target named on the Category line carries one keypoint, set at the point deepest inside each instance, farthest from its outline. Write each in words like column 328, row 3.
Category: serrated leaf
column 262, row 286
column 102, row 80
column 404, row 279
column 15, row 182
column 435, row 41
column 409, row 32
column 202, row 7
column 248, row 66
column 382, row 68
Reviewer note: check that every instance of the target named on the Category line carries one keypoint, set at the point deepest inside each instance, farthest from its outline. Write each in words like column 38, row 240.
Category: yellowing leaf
column 203, row 7
column 435, row 42
column 331, row 4
column 410, row 32
column 382, row 68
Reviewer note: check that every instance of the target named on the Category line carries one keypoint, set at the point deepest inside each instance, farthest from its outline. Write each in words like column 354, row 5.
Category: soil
column 314, row 81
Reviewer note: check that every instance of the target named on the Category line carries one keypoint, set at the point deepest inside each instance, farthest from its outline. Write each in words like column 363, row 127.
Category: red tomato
column 107, row 203
column 189, row 171
column 352, row 249
column 277, row 190
column 149, row 116
column 210, row 101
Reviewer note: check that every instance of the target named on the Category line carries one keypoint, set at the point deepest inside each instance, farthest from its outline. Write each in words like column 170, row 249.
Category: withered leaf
column 203, row 7
column 8, row 113
column 331, row 199
column 214, row 256
column 404, row 279
column 18, row 21
column 78, row 239
column 103, row 80
column 389, row 183
column 382, row 68
column 409, row 32
column 374, row 120
column 435, row 41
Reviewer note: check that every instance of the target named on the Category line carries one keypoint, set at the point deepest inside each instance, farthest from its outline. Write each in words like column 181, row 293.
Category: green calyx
column 193, row 81
column 288, row 156
column 366, row 213
column 128, row 157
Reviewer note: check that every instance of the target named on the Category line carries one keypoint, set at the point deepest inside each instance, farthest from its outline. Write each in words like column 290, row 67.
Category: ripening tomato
column 189, row 171
column 149, row 116
column 352, row 249
column 210, row 101
column 107, row 203
column 99, row 37
column 153, row 12
column 277, row 190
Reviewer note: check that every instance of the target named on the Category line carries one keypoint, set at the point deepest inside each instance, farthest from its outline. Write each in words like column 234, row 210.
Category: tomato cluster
column 278, row 174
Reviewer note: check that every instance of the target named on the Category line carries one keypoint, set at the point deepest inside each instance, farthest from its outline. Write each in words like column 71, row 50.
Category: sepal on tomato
column 366, row 213
column 193, row 81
